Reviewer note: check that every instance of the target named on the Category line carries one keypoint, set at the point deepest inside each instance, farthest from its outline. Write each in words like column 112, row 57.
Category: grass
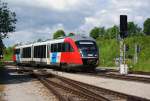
column 8, row 54
column 109, row 50
column 1, row 64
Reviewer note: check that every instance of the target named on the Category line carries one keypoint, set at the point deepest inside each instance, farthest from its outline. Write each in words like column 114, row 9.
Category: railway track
column 67, row 92
column 126, row 77
column 112, row 75
column 70, row 90
column 119, row 76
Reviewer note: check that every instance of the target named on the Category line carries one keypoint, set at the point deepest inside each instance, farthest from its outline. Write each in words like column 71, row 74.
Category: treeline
column 113, row 32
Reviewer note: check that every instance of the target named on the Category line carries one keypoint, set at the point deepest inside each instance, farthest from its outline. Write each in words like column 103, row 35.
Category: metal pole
column 135, row 54
column 124, row 54
column 121, row 56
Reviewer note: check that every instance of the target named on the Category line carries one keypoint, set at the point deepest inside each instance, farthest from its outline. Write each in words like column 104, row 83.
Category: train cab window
column 26, row 52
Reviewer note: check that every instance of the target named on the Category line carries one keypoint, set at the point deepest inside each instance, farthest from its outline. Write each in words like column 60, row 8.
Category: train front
column 89, row 53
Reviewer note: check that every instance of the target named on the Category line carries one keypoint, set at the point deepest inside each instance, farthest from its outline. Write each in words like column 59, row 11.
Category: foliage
column 97, row 32
column 7, row 23
column 7, row 20
column 39, row 40
column 71, row 34
column 8, row 53
column 147, row 26
column 133, row 29
column 94, row 33
column 112, row 32
column 58, row 33
column 109, row 50
column 1, row 64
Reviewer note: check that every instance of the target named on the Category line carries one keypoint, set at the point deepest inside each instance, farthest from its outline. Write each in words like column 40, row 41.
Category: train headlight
column 80, row 52
column 96, row 55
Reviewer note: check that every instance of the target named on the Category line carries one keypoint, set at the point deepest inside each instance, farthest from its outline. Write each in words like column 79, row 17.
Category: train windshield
column 87, row 48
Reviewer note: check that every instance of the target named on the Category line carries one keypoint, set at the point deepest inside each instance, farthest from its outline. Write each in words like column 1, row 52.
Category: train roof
column 74, row 37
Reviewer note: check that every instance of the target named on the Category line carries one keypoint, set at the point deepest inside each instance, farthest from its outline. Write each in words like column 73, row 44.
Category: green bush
column 109, row 50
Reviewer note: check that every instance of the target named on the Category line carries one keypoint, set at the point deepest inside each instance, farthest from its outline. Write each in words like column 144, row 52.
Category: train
column 75, row 52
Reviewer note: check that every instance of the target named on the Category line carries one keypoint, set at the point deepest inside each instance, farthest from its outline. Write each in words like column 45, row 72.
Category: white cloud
column 108, row 16
column 31, row 35
column 40, row 18
column 59, row 5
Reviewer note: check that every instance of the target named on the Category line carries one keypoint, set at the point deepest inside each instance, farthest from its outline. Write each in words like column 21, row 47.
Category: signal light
column 123, row 26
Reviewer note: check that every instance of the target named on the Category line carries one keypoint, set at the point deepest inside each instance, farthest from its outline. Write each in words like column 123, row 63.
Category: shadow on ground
column 10, row 76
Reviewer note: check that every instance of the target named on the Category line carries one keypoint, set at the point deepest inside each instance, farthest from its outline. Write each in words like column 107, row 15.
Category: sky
column 39, row 19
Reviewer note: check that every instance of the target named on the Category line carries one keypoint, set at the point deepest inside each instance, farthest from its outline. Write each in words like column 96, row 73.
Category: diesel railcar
column 72, row 53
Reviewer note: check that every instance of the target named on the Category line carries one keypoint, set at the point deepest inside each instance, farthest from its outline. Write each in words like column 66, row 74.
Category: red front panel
column 14, row 55
column 14, row 58
column 71, row 57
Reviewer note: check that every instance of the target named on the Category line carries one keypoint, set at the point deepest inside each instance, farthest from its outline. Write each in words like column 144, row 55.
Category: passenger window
column 27, row 52
column 59, row 47
column 52, row 47
column 63, row 48
column 55, row 47
column 40, row 51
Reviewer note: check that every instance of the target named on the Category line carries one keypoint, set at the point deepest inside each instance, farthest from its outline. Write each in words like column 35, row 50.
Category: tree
column 71, row 34
column 7, row 22
column 58, row 33
column 133, row 29
column 39, row 40
column 94, row 33
column 147, row 26
column 97, row 32
column 112, row 32
column 102, row 31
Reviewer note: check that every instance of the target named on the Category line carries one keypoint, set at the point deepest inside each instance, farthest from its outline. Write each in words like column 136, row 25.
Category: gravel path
column 28, row 91
column 21, row 87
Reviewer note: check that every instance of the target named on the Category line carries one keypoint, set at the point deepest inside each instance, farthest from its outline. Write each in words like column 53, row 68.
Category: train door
column 66, row 53
column 18, row 56
column 48, row 53
column 55, row 54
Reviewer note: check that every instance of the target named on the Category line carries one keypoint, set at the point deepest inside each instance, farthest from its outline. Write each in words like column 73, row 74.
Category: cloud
column 57, row 5
column 50, row 4
column 40, row 18
column 31, row 35
column 136, row 10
